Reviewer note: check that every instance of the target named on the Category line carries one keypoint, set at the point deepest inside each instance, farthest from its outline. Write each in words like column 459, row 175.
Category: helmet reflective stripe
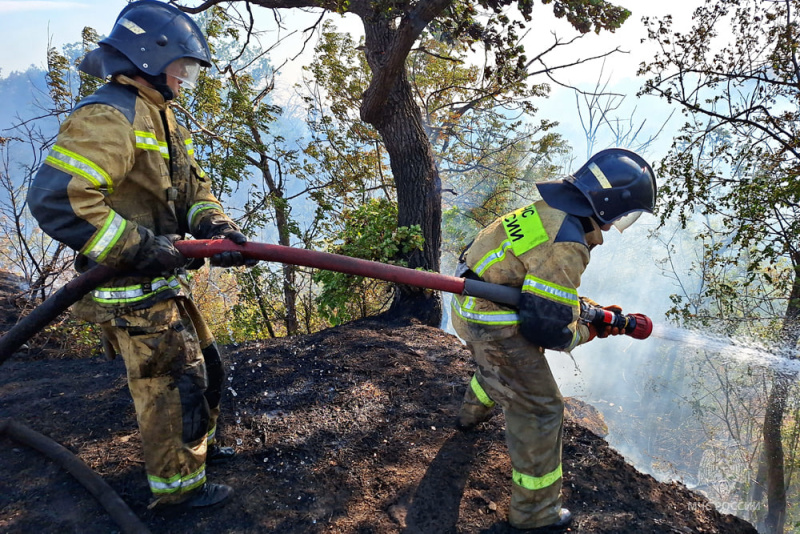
column 604, row 183
column 479, row 392
column 492, row 257
column 536, row 483
column 73, row 163
column 496, row 318
column 132, row 26
column 551, row 291
column 131, row 294
column 105, row 238
column 197, row 208
column 177, row 483
column 148, row 141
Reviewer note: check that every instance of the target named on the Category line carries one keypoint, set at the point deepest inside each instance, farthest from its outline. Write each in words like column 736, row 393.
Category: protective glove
column 232, row 258
column 609, row 331
column 157, row 255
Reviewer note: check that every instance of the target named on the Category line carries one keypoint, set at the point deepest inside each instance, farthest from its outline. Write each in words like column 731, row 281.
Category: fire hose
column 636, row 325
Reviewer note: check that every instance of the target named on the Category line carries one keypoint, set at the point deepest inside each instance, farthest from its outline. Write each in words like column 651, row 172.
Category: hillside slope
column 345, row 431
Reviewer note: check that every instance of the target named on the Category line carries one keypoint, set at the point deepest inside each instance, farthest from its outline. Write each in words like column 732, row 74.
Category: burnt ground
column 349, row 430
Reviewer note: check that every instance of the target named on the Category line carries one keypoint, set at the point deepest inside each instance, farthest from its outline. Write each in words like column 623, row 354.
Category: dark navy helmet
column 152, row 35
column 615, row 186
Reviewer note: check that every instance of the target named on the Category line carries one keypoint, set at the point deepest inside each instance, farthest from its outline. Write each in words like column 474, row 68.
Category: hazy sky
column 27, row 25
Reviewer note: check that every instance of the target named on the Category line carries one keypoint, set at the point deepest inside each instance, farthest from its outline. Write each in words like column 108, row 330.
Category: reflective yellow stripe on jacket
column 197, row 208
column 148, row 141
column 466, row 311
column 73, row 163
column 137, row 293
column 106, row 237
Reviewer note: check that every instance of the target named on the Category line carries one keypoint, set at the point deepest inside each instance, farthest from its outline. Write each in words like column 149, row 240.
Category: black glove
column 157, row 255
column 231, row 258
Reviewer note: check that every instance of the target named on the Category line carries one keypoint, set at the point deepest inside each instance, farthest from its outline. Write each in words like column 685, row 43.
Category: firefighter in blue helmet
column 119, row 186
column 542, row 249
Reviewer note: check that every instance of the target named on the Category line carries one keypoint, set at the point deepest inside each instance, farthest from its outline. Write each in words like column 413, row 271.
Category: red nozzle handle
column 642, row 326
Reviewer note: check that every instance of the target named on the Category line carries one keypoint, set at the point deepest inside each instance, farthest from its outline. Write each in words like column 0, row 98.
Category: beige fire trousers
column 175, row 377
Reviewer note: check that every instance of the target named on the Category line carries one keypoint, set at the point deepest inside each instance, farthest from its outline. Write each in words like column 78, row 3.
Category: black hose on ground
column 108, row 498
column 51, row 308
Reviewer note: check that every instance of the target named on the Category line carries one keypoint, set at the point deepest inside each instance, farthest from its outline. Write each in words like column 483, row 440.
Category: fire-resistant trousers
column 175, row 377
column 515, row 374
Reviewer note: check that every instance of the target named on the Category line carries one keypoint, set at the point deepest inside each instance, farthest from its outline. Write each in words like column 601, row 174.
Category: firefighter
column 543, row 249
column 120, row 186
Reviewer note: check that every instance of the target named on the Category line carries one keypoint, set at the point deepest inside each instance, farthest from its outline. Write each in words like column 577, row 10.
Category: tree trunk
column 773, row 419
column 289, row 271
column 415, row 174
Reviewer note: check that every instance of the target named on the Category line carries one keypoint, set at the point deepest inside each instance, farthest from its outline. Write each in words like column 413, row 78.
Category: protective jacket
column 122, row 170
column 543, row 251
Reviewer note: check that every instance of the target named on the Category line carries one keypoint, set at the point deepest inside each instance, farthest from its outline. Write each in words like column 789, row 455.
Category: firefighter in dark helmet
column 542, row 249
column 119, row 186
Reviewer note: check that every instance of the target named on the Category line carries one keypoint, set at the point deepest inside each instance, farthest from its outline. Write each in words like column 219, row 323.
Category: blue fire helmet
column 153, row 34
column 615, row 186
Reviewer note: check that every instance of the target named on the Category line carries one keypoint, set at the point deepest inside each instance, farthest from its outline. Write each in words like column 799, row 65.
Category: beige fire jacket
column 122, row 167
column 543, row 251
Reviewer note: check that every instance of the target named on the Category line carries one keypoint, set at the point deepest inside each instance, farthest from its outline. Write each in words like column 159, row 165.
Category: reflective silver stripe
column 195, row 479
column 491, row 258
column 551, row 291
column 124, row 295
column 497, row 318
column 106, row 237
column 200, row 206
column 189, row 147
column 148, row 141
column 600, row 175
column 177, row 483
column 211, row 435
column 164, row 485
column 73, row 163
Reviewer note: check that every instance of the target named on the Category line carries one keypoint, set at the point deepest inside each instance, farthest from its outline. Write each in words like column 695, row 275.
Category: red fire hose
column 76, row 288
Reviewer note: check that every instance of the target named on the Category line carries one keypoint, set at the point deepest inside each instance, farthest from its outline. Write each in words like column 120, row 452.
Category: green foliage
column 369, row 232
column 732, row 172
column 88, row 84
column 489, row 23
column 58, row 81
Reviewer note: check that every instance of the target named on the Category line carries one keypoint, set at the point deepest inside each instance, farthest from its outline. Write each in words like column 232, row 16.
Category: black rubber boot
column 208, row 495
column 219, row 455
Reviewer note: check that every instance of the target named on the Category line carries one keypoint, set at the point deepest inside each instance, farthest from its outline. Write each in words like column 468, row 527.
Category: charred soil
column 349, row 430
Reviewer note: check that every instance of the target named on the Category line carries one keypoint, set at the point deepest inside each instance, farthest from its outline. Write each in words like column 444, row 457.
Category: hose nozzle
column 636, row 325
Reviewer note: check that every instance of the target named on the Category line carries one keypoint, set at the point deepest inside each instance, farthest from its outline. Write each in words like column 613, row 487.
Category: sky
column 26, row 26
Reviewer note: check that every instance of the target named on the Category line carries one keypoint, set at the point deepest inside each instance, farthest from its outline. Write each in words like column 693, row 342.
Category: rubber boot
column 219, row 455
column 208, row 495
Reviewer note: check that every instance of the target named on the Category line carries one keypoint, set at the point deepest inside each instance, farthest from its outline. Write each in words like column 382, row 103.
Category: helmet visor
column 186, row 69
column 626, row 220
